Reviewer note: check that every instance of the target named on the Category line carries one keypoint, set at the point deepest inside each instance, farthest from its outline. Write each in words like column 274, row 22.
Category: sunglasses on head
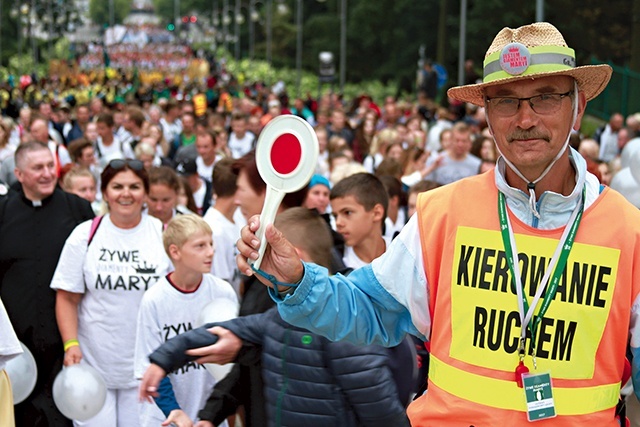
column 133, row 164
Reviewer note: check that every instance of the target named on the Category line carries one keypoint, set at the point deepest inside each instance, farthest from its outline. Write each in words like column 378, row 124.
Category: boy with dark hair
column 108, row 145
column 241, row 141
column 220, row 218
column 359, row 204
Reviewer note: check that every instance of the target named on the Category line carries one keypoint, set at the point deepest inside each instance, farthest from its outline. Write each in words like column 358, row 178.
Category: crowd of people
column 99, row 200
column 127, row 56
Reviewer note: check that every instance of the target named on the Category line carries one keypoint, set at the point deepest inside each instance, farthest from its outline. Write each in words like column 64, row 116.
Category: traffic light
column 171, row 27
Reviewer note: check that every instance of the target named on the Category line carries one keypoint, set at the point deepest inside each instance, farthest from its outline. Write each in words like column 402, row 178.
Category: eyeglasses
column 133, row 164
column 547, row 103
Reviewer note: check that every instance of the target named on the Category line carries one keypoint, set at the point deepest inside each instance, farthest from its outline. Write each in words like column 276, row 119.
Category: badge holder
column 286, row 156
column 538, row 392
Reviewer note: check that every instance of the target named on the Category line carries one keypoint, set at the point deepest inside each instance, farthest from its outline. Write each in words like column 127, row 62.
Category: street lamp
column 298, row 46
column 281, row 9
column 226, row 20
column 237, row 29
column 21, row 14
column 343, row 43
column 254, row 17
column 269, row 30
column 176, row 16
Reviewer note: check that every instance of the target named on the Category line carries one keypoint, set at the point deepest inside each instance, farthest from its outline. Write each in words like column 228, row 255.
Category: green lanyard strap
column 564, row 245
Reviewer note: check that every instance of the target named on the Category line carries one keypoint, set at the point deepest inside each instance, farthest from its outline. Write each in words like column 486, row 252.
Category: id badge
column 538, row 392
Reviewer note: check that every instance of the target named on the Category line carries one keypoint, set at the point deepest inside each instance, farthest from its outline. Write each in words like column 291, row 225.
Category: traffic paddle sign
column 286, row 156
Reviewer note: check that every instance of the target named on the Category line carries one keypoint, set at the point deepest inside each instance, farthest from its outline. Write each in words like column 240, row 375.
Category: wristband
column 70, row 343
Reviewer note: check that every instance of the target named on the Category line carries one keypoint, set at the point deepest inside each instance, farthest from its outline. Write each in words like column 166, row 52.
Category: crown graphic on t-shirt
column 145, row 269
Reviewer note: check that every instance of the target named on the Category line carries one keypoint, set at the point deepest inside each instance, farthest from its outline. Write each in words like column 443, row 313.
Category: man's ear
column 582, row 105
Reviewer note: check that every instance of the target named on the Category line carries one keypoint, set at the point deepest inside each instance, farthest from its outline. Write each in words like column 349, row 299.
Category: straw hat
column 532, row 51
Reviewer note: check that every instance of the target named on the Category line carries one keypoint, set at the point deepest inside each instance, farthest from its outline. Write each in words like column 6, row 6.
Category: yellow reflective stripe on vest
column 503, row 394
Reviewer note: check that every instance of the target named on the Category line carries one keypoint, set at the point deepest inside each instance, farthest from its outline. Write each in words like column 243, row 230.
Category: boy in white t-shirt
column 359, row 205
column 171, row 307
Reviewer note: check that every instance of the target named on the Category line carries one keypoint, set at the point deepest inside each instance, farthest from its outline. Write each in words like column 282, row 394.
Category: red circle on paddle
column 286, row 153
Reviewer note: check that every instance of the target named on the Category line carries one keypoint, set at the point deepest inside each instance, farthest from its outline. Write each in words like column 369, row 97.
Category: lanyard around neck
column 556, row 265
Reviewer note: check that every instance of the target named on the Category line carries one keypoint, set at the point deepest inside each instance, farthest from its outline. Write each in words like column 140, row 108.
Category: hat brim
column 592, row 79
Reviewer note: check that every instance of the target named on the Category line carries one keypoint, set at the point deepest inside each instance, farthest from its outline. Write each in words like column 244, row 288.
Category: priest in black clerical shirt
column 35, row 220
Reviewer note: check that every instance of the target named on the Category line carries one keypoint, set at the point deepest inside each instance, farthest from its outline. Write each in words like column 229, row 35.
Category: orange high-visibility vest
column 475, row 321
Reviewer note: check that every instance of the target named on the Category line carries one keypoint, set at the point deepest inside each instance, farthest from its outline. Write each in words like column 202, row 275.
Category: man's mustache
column 520, row 134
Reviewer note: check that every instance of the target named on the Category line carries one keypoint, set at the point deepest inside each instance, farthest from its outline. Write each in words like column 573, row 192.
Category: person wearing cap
column 564, row 310
column 201, row 188
column 318, row 194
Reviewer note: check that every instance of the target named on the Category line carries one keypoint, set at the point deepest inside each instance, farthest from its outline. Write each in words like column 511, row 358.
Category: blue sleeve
column 356, row 308
column 166, row 399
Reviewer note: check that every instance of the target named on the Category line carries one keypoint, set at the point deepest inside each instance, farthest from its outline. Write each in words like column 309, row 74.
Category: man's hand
column 223, row 351
column 178, row 418
column 72, row 356
column 280, row 259
column 150, row 381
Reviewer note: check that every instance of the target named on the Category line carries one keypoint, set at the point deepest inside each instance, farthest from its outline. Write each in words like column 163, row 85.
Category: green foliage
column 248, row 71
column 62, row 49
column 590, row 124
column 166, row 8
column 99, row 11
column 19, row 65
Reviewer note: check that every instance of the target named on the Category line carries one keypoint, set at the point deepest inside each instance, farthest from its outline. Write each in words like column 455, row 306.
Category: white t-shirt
column 351, row 259
column 199, row 195
column 59, row 151
column 225, row 236
column 164, row 313
column 240, row 146
column 7, row 151
column 9, row 344
column 205, row 171
column 451, row 170
column 113, row 273
column 170, row 130
column 390, row 227
column 106, row 153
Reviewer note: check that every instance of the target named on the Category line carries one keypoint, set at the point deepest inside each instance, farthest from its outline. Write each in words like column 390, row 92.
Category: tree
column 634, row 63
column 99, row 11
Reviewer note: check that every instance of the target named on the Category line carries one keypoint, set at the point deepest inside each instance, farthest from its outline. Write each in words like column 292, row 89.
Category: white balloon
column 218, row 371
column 218, row 310
column 625, row 184
column 23, row 374
column 79, row 392
column 627, row 152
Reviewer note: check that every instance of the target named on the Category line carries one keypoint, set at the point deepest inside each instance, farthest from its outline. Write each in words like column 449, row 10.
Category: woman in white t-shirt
column 103, row 271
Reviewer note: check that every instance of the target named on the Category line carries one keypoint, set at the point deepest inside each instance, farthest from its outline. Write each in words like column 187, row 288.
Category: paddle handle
column 272, row 201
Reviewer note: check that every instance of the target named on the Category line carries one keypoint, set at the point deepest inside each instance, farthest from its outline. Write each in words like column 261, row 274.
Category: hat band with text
column 517, row 60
